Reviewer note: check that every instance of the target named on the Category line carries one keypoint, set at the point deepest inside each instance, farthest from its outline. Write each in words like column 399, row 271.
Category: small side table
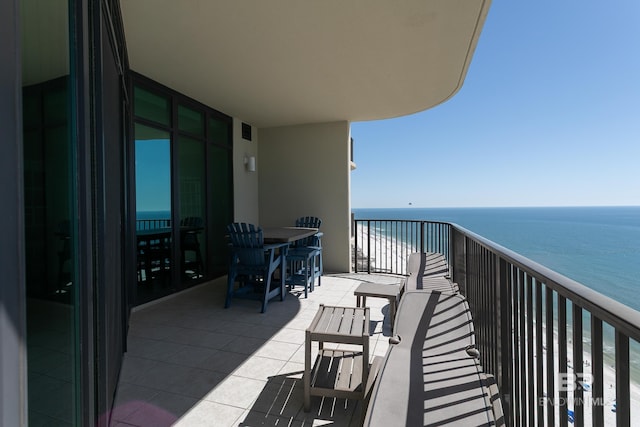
column 337, row 373
column 378, row 290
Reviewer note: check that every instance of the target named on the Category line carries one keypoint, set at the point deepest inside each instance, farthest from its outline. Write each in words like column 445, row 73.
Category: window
column 184, row 198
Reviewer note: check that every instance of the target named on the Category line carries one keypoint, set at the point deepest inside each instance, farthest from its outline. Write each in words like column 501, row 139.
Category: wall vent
column 246, row 131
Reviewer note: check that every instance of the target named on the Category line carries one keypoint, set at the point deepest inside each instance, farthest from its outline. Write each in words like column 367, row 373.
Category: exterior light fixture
column 250, row 163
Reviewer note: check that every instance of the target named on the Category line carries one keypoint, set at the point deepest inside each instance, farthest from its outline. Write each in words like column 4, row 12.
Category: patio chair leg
column 267, row 289
column 311, row 272
column 230, row 282
column 283, row 291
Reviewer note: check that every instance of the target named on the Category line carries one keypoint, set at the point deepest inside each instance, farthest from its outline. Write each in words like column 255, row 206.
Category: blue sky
column 153, row 175
column 549, row 115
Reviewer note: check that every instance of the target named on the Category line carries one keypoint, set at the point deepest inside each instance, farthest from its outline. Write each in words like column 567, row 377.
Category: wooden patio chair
column 304, row 257
column 252, row 264
column 190, row 227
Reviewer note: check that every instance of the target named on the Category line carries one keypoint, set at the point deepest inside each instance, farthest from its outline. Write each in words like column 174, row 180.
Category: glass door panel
column 52, row 308
column 190, row 121
column 194, row 180
column 220, row 132
column 221, row 213
column 220, row 191
column 153, row 213
column 152, row 107
column 193, row 235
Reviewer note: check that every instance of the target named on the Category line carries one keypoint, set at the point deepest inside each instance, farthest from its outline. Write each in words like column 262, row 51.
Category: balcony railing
column 536, row 329
column 152, row 224
column 382, row 246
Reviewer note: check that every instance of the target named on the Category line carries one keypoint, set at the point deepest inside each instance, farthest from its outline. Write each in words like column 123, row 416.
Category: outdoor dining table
column 286, row 234
column 276, row 240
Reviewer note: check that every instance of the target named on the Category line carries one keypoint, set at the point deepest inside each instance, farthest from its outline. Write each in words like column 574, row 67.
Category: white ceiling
column 285, row 62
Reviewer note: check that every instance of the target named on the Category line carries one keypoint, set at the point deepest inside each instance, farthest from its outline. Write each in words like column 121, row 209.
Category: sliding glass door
column 50, row 232
column 220, row 185
column 182, row 186
column 154, row 240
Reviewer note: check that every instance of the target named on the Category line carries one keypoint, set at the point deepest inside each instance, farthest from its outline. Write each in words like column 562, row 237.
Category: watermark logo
column 570, row 383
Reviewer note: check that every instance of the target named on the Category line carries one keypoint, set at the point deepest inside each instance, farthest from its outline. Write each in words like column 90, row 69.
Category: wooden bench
column 432, row 264
column 429, row 272
column 431, row 374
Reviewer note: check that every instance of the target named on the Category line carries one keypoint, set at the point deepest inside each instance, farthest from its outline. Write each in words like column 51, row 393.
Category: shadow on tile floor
column 190, row 362
column 180, row 349
column 281, row 403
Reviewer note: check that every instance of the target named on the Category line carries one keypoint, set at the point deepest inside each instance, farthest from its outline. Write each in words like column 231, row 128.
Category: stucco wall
column 245, row 183
column 305, row 170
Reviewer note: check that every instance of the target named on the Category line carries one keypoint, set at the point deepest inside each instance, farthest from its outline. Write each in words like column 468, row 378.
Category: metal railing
column 382, row 246
column 152, row 224
column 535, row 329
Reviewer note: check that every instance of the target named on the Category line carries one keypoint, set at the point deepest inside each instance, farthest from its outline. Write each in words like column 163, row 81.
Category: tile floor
column 190, row 362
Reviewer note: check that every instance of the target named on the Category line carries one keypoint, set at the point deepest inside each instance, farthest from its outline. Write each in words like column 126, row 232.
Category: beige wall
column 305, row 170
column 245, row 184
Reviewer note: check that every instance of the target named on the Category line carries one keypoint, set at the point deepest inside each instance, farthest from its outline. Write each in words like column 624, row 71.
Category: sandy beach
column 386, row 257
column 387, row 254
column 585, row 374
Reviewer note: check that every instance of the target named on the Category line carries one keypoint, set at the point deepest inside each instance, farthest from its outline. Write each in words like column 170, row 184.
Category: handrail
column 513, row 299
column 152, row 224
column 400, row 238
column 607, row 309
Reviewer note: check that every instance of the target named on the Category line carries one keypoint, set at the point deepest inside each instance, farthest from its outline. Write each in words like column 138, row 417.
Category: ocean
column 153, row 214
column 596, row 246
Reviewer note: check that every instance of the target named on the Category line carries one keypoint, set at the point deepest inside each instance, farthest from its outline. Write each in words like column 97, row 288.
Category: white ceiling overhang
column 286, row 62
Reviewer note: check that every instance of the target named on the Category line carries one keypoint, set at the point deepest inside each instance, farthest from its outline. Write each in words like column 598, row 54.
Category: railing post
column 422, row 225
column 550, row 356
column 503, row 306
column 623, row 411
column 597, row 390
column 354, row 231
column 578, row 361
column 562, row 356
column 369, row 246
column 451, row 259
column 462, row 261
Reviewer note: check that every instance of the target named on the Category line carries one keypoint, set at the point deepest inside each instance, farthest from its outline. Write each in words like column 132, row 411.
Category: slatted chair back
column 191, row 221
column 309, row 222
column 247, row 244
column 190, row 238
column 253, row 264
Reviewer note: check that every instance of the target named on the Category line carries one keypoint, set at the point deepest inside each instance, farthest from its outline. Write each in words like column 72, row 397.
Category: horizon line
column 501, row 207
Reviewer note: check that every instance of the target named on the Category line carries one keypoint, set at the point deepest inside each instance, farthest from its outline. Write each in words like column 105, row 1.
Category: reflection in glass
column 220, row 191
column 153, row 212
column 151, row 106
column 52, row 298
column 190, row 121
column 192, row 208
column 220, row 132
column 183, row 185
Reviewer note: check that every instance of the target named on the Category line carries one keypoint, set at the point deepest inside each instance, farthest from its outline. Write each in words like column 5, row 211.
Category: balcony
column 191, row 362
column 534, row 327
